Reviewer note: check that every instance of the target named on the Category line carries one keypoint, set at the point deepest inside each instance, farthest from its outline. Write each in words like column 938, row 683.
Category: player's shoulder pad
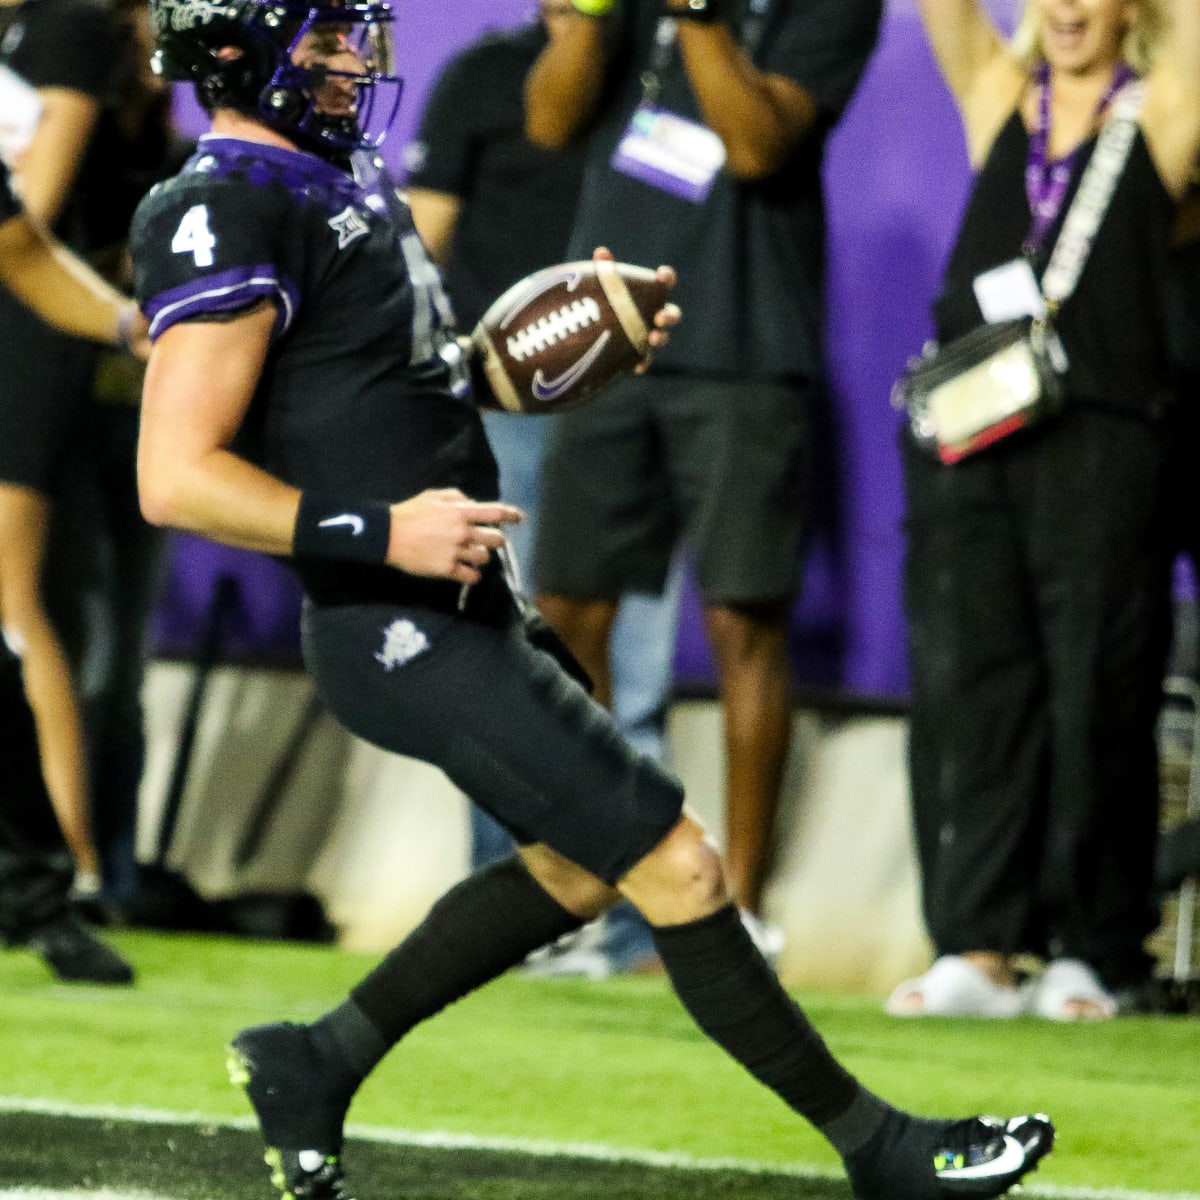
column 205, row 244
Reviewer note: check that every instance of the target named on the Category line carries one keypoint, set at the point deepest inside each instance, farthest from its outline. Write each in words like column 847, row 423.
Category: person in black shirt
column 491, row 208
column 304, row 398
column 104, row 563
column 34, row 882
column 705, row 126
column 1037, row 568
column 68, row 52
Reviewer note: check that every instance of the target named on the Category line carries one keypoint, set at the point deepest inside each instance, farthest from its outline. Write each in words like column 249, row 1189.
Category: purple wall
column 896, row 179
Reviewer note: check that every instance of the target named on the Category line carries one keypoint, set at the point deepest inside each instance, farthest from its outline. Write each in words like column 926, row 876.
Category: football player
column 305, row 397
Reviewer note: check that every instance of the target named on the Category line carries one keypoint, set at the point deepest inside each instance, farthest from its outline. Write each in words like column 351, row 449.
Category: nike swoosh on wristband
column 356, row 524
column 1012, row 1159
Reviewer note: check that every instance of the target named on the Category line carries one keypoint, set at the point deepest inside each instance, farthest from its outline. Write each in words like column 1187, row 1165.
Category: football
column 557, row 337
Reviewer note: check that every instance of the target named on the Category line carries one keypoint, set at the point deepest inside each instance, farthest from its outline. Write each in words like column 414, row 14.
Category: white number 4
column 193, row 237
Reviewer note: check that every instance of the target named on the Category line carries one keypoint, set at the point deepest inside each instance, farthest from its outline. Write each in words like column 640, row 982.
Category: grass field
column 536, row 1088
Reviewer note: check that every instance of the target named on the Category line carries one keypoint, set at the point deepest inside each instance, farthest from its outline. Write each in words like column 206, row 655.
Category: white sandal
column 1067, row 982
column 955, row 987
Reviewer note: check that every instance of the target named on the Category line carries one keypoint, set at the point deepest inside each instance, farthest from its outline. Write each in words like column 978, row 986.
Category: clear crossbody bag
column 980, row 388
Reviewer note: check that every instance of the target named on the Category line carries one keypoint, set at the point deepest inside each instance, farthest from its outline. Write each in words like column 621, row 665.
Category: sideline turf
column 614, row 1063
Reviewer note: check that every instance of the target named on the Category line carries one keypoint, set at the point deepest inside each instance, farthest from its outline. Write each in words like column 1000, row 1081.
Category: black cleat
column 301, row 1107
column 74, row 953
column 912, row 1158
column 307, row 1175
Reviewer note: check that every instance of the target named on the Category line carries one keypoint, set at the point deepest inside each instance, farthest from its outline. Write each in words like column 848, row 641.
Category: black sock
column 478, row 930
column 735, row 997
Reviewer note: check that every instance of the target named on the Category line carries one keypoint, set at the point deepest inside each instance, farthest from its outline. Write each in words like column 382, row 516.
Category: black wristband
column 703, row 12
column 345, row 527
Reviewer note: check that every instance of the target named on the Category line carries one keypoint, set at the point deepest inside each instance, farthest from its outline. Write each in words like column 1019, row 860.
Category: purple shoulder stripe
column 224, row 292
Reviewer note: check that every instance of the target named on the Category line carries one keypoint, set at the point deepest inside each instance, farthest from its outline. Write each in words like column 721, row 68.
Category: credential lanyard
column 1046, row 182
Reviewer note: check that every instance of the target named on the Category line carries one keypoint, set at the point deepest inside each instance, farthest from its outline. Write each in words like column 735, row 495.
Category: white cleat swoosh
column 1012, row 1159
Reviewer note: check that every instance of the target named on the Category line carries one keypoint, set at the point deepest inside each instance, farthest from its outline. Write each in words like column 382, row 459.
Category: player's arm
column 435, row 214
column 1171, row 116
column 200, row 381
column 47, row 169
column 563, row 88
column 65, row 291
column 981, row 74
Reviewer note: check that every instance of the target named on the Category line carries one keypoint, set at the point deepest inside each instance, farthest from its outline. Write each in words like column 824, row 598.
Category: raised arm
column 47, row 169
column 1171, row 117
column 758, row 116
column 984, row 79
column 564, row 84
column 435, row 214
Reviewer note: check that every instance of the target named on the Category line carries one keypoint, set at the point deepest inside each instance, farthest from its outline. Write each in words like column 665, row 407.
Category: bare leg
column 585, row 625
column 756, row 694
column 24, row 520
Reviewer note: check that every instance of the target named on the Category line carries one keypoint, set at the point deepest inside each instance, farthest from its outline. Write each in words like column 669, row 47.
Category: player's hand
column 666, row 316
column 443, row 534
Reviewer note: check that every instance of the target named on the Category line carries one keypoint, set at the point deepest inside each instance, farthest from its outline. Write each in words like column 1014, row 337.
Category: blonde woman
column 1036, row 574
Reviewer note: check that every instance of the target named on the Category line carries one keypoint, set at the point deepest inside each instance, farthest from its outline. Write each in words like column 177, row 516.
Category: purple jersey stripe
column 224, row 292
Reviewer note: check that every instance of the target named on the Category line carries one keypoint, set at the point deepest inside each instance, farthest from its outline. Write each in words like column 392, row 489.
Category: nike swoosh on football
column 355, row 523
column 1012, row 1159
column 550, row 389
column 542, row 282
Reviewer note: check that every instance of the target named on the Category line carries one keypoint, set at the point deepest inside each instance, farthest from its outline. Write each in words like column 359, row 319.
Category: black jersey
column 358, row 393
column 1113, row 324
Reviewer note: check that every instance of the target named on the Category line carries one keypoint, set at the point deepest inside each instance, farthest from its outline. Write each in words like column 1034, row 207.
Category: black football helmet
column 239, row 54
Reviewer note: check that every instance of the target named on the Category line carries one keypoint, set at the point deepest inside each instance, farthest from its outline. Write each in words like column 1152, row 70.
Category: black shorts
column 501, row 719
column 46, row 382
column 722, row 463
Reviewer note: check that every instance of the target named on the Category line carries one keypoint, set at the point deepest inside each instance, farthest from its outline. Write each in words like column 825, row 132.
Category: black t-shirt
column 518, row 199
column 356, row 396
column 1112, row 326
column 9, row 204
column 129, row 161
column 750, row 257
column 77, row 45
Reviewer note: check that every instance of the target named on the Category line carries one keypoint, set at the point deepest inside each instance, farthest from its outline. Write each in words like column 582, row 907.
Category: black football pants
column 1038, row 610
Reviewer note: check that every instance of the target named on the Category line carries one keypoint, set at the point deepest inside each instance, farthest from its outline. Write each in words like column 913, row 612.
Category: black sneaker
column 75, row 954
column 911, row 1158
column 300, row 1104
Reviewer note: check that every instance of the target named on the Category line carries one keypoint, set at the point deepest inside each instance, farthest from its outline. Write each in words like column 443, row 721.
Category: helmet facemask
column 333, row 89
column 320, row 72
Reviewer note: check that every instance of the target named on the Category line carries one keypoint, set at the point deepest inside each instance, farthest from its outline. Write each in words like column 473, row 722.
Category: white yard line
column 462, row 1141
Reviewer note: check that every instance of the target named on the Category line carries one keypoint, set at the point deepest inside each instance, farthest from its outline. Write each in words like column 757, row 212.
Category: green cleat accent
column 235, row 1064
